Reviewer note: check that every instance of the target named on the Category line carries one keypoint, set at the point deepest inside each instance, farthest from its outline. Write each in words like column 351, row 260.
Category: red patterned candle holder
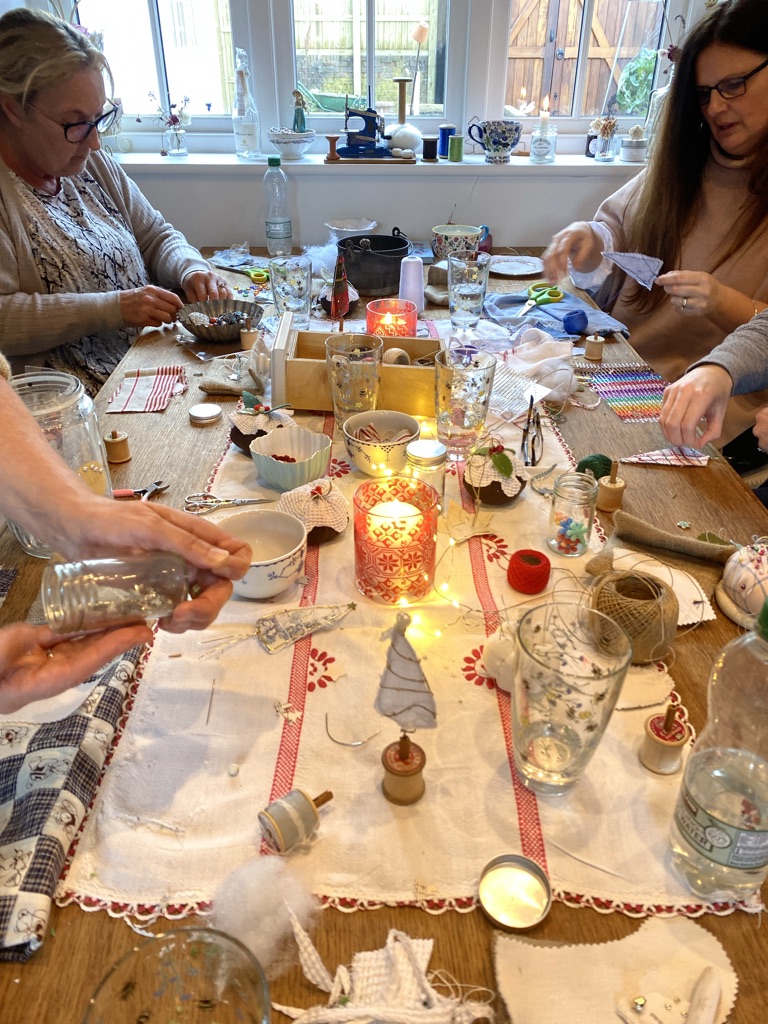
column 395, row 524
column 391, row 318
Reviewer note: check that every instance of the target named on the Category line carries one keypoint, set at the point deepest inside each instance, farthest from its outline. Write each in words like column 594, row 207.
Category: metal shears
column 201, row 503
column 143, row 493
column 541, row 294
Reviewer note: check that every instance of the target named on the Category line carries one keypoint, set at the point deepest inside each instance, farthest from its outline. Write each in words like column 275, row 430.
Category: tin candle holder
column 391, row 318
column 395, row 527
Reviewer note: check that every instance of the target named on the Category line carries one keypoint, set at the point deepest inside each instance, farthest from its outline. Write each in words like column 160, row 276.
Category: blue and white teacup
column 498, row 139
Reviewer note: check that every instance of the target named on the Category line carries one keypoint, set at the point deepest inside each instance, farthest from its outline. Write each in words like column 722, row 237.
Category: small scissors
column 143, row 493
column 201, row 503
column 541, row 294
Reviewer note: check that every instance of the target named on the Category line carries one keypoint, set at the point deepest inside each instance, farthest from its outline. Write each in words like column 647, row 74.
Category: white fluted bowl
column 291, row 145
column 311, row 453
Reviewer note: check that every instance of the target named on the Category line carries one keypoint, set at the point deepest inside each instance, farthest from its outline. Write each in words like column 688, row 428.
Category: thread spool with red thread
column 528, row 571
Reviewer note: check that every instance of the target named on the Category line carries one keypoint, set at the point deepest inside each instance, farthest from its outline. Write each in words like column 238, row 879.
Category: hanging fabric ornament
column 340, row 294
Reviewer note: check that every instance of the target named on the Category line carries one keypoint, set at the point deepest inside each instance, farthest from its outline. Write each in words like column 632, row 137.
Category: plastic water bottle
column 276, row 216
column 720, row 827
column 245, row 116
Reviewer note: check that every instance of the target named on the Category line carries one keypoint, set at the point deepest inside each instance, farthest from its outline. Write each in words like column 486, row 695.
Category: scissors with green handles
column 541, row 294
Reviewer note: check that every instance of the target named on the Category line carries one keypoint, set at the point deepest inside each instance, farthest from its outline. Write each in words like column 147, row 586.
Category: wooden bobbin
column 403, row 781
column 662, row 747
column 290, row 820
column 593, row 348
column 116, row 444
column 610, row 491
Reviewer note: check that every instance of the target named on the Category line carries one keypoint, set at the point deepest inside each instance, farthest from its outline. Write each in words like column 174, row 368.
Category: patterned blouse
column 81, row 243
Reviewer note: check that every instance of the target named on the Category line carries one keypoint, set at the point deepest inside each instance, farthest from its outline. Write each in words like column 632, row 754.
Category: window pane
column 127, row 46
column 620, row 71
column 332, row 53
column 544, row 42
column 197, row 40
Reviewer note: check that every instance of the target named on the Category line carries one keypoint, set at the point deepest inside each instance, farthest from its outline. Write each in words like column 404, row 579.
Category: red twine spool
column 528, row 571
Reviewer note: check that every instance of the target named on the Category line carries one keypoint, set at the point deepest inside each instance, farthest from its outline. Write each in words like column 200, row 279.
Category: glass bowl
column 194, row 975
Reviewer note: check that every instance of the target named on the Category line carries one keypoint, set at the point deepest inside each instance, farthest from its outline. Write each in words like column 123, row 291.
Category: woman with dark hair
column 85, row 261
column 701, row 206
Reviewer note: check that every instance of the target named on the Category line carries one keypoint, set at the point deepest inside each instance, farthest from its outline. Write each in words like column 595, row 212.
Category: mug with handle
column 457, row 239
column 498, row 138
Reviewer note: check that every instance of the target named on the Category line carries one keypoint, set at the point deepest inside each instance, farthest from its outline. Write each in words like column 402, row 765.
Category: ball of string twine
column 644, row 606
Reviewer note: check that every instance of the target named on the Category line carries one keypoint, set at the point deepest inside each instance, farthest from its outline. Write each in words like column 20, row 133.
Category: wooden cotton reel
column 291, row 819
column 644, row 606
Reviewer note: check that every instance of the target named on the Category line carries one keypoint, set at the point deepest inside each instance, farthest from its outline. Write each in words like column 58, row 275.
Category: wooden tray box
column 299, row 374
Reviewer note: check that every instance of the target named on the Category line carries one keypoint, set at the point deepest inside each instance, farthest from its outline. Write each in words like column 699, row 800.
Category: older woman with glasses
column 85, row 261
column 701, row 206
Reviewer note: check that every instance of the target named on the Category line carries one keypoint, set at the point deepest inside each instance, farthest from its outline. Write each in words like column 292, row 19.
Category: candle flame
column 523, row 95
column 545, row 105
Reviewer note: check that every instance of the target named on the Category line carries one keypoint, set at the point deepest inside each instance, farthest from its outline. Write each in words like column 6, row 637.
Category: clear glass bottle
column 67, row 418
column 656, row 105
column 245, row 115
column 277, row 218
column 719, row 833
column 574, row 498
column 425, row 460
column 83, row 596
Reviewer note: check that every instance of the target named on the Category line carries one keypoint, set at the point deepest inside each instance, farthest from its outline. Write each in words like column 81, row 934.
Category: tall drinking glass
column 354, row 371
column 291, row 281
column 571, row 665
column 467, row 284
column 463, row 384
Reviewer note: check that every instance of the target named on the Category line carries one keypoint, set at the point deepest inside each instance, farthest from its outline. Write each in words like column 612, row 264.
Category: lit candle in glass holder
column 391, row 318
column 395, row 527
column 544, row 114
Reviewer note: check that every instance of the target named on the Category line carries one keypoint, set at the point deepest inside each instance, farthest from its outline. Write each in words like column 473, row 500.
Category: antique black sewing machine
column 367, row 141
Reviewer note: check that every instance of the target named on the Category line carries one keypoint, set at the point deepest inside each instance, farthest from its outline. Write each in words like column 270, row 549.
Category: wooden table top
column 79, row 947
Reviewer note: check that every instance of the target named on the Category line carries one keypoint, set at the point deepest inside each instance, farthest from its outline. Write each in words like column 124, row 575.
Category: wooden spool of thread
column 290, row 820
column 248, row 337
column 662, row 747
column 642, row 605
column 528, row 571
column 593, row 348
column 116, row 444
column 403, row 781
column 610, row 491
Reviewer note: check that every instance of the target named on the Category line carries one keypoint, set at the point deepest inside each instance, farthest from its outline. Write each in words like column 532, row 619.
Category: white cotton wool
column 252, row 905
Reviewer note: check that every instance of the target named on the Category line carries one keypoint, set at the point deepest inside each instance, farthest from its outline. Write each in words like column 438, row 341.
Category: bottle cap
column 273, row 161
column 514, row 892
column 426, row 453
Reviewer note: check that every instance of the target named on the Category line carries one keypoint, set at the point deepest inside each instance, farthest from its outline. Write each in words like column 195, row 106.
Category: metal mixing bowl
column 216, row 308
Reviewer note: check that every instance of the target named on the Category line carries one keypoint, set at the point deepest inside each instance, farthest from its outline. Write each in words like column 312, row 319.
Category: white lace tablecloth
column 212, row 738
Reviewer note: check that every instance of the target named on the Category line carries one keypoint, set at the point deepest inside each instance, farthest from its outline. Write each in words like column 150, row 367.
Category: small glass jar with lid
column 98, row 593
column 67, row 418
column 425, row 460
column 543, row 145
column 574, row 499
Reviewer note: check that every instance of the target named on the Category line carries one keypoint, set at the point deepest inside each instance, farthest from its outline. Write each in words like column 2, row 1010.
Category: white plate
column 516, row 266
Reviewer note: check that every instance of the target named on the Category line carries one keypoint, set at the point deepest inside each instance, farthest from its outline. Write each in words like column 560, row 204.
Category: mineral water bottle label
column 279, row 229
column 728, row 845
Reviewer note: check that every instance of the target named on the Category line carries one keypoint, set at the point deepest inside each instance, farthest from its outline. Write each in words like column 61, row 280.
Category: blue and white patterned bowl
column 291, row 145
column 279, row 543
column 376, row 441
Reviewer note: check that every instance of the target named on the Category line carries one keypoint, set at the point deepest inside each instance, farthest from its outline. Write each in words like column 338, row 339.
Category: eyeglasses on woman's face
column 729, row 88
column 78, row 131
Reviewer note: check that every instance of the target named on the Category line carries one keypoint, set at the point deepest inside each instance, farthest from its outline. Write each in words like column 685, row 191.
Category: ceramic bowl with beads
column 377, row 441
column 219, row 319
column 494, row 476
column 287, row 459
column 322, row 508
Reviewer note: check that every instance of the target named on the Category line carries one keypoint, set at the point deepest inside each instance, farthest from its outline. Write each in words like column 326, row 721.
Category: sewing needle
column 210, row 702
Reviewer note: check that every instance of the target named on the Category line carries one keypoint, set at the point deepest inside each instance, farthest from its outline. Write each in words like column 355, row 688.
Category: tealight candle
column 391, row 318
column 395, row 528
column 544, row 114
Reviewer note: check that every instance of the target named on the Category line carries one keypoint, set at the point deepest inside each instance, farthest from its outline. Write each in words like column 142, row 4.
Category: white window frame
column 475, row 76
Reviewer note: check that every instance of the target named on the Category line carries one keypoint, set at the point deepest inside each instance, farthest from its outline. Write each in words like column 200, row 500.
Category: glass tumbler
column 67, row 418
column 194, row 975
column 463, row 384
column 574, row 498
column 467, row 284
column 291, row 281
column 353, row 362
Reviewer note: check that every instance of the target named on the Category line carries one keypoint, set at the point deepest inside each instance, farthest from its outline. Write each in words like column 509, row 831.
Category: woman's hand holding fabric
column 702, row 394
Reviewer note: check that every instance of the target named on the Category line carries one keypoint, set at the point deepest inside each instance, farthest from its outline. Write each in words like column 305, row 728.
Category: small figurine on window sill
column 299, row 115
